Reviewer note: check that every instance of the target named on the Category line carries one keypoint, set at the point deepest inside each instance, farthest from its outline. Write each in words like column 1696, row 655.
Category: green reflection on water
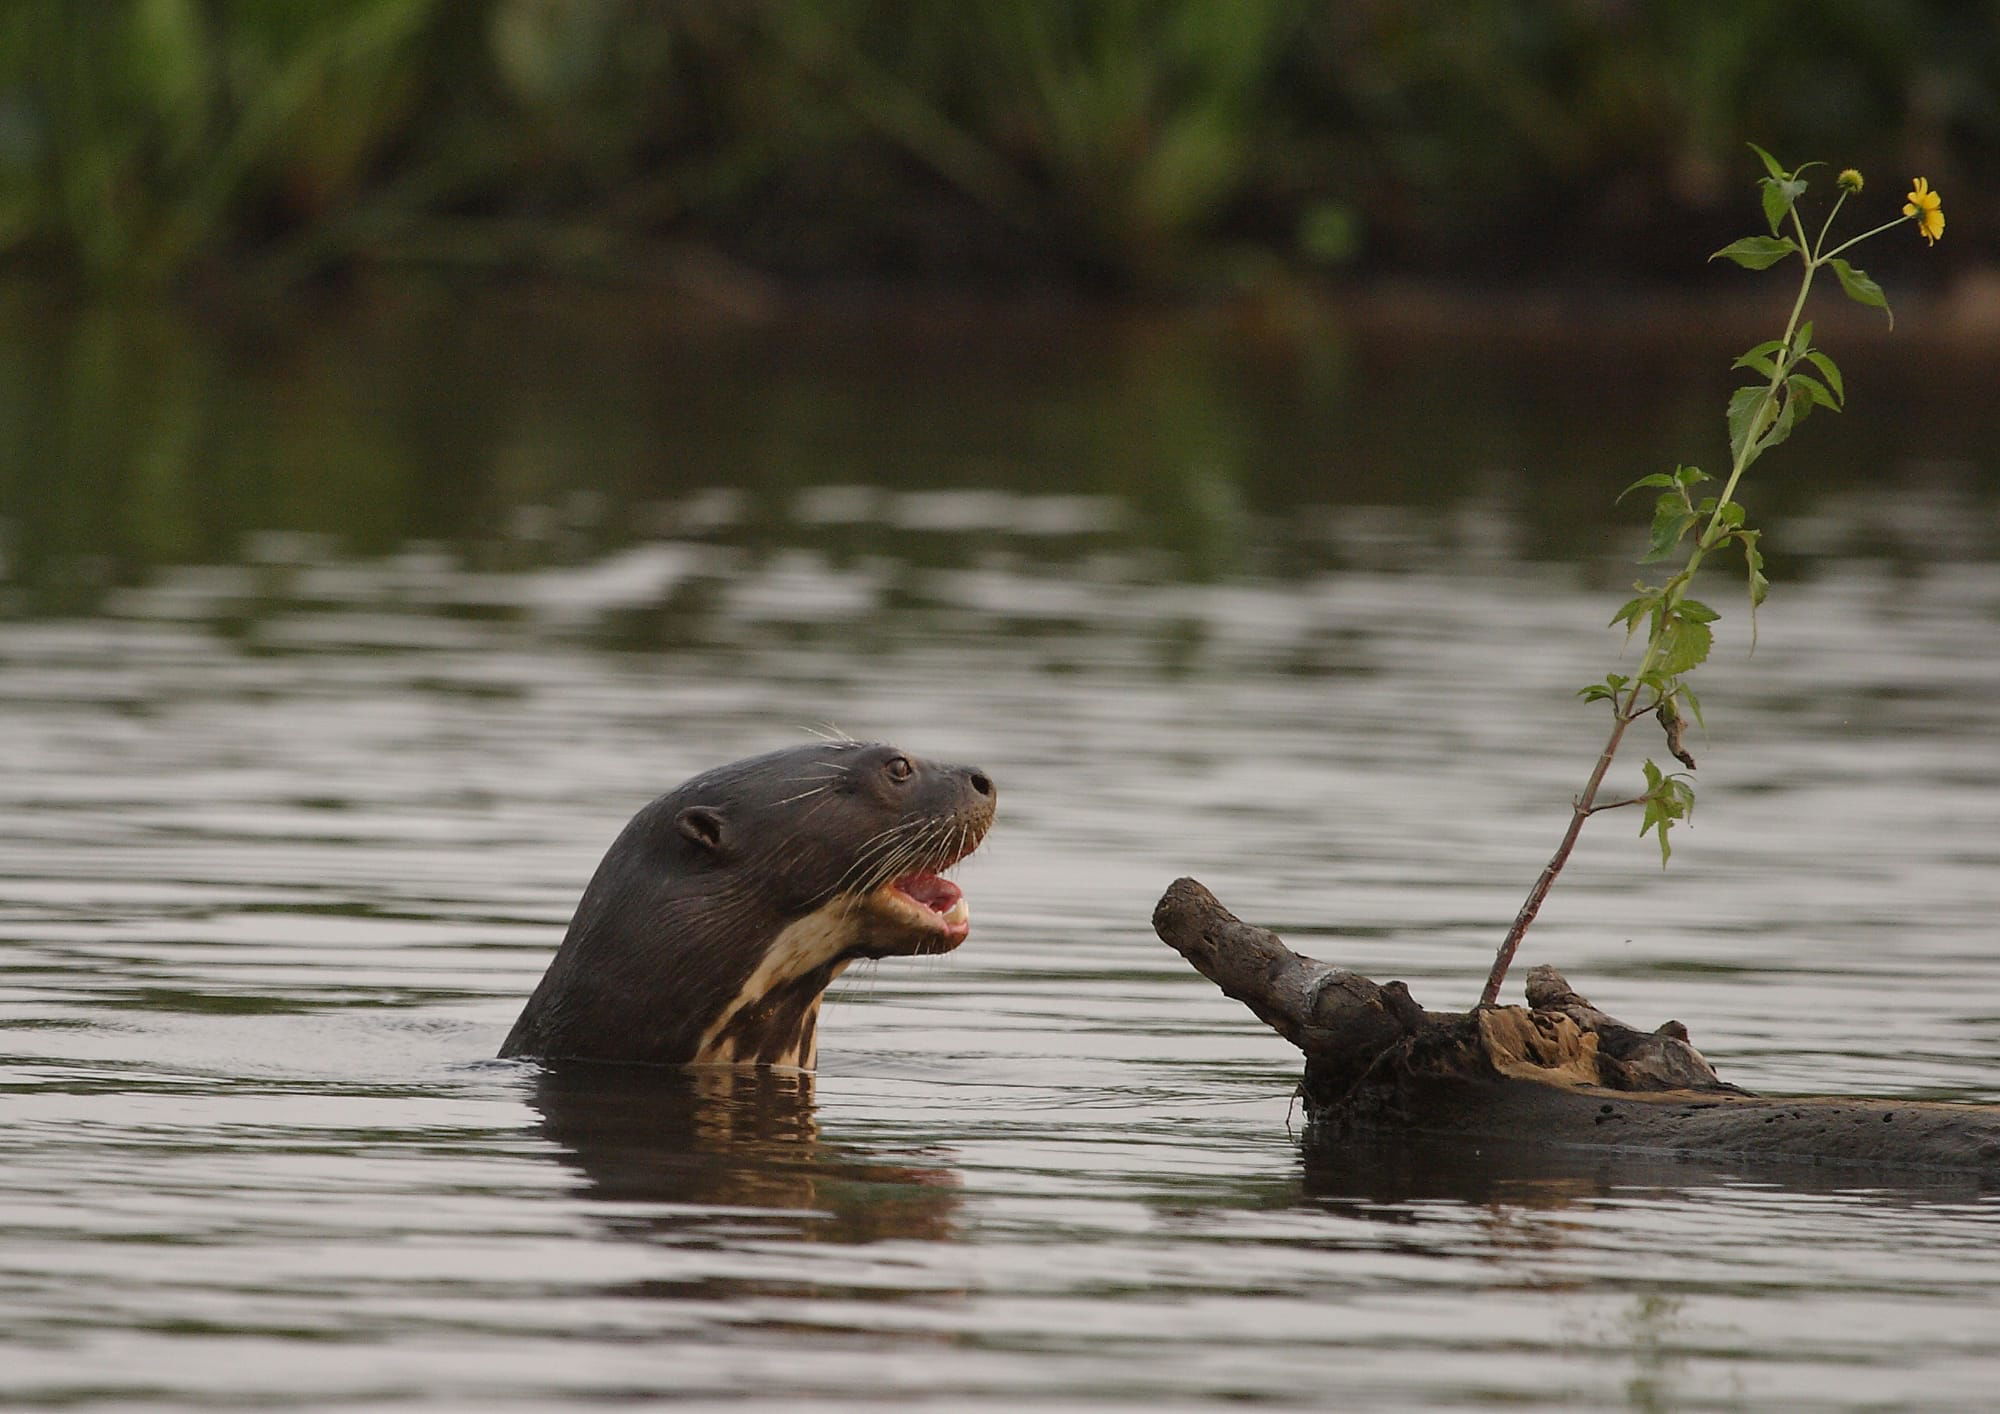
column 521, row 431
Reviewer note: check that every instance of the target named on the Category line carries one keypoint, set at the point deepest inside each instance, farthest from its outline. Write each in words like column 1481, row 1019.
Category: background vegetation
column 1142, row 145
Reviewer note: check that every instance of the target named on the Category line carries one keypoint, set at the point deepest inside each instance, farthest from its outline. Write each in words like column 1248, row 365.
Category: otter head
column 726, row 906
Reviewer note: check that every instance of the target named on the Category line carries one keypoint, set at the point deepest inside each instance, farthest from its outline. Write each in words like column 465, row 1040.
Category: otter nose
column 979, row 781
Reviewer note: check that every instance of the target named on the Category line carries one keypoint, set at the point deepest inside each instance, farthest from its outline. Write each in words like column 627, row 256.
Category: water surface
column 330, row 667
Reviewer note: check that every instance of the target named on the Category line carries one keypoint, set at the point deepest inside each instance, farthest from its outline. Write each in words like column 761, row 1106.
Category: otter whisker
column 879, row 867
column 916, row 853
column 884, row 844
column 899, row 843
column 922, row 853
column 805, row 794
column 871, row 850
column 810, row 811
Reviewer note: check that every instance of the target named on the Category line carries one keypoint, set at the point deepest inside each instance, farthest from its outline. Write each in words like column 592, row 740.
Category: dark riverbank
column 1156, row 149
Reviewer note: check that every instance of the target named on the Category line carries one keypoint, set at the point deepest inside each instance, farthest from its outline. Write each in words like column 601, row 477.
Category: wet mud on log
column 1557, row 1071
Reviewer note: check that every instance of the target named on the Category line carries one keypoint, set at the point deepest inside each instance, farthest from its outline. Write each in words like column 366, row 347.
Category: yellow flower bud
column 1850, row 180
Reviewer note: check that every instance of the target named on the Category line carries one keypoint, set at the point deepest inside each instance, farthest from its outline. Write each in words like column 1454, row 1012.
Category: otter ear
column 703, row 825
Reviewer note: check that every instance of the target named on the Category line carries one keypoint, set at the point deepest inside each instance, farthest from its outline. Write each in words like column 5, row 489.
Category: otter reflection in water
column 704, row 1137
column 723, row 910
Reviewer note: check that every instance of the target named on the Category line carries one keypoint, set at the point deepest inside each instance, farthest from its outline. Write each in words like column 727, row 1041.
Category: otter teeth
column 937, row 894
column 937, row 897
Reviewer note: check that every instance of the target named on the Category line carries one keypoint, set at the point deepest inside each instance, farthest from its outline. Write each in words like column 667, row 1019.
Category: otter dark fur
column 726, row 906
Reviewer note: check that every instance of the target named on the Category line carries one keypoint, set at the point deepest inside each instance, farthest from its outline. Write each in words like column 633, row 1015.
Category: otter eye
column 899, row 768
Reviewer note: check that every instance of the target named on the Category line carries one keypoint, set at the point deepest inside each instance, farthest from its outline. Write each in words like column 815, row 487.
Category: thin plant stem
column 1626, row 712
column 1849, row 245
column 1826, row 225
column 1618, row 804
column 1580, row 810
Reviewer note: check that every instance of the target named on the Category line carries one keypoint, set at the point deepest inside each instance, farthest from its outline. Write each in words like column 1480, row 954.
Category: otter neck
column 774, row 1017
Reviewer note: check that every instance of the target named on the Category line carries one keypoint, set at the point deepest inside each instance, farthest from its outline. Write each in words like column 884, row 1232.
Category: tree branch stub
column 1556, row 1072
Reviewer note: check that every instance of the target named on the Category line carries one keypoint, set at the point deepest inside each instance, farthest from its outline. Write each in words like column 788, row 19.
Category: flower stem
column 1848, row 245
column 1825, row 226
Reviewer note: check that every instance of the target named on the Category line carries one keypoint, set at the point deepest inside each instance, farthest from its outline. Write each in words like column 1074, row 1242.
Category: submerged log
column 1557, row 1071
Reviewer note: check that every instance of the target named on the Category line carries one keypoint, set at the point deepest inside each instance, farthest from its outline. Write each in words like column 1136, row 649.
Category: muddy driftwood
column 1557, row 1071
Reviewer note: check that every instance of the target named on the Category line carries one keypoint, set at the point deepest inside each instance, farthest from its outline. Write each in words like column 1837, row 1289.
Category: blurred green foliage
column 1146, row 144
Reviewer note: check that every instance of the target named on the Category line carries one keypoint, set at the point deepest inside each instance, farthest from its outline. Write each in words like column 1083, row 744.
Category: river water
column 330, row 664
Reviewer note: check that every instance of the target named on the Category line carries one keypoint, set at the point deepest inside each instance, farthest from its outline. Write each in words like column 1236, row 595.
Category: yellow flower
column 1850, row 180
column 1926, row 206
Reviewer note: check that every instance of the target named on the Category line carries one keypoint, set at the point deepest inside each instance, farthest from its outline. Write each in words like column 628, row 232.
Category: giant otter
column 726, row 906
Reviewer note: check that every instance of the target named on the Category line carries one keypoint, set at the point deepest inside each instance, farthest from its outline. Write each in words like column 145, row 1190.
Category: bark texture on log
column 1557, row 1071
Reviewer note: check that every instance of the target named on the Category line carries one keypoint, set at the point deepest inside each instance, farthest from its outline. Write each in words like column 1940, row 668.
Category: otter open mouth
column 941, row 897
column 908, row 906
column 928, row 905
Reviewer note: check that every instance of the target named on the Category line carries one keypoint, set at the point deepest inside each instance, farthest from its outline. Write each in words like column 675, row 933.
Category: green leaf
column 1831, row 371
column 1596, row 692
column 1804, row 385
column 1658, row 478
column 1761, row 351
column 1860, row 288
column 1753, row 564
column 1697, row 611
column 1657, row 818
column 1671, row 519
column 1669, row 801
column 1776, row 202
column 1725, row 521
column 1694, row 706
column 1686, row 643
column 1746, row 405
column 1757, row 252
column 1635, row 610
column 1779, row 195
column 1760, row 363
column 1798, row 406
column 1770, row 163
column 1689, row 475
column 1802, row 340
column 1790, row 412
column 1606, row 691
